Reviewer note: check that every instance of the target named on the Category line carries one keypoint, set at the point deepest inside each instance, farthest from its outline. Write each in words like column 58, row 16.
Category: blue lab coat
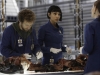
column 92, row 45
column 50, row 37
column 10, row 46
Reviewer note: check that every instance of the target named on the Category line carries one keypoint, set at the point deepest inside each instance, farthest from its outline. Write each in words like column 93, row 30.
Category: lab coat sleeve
column 88, row 39
column 41, row 38
column 36, row 44
column 6, row 49
column 63, row 48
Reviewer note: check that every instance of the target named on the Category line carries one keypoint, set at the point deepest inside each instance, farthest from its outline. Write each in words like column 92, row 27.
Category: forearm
column 45, row 49
column 8, row 52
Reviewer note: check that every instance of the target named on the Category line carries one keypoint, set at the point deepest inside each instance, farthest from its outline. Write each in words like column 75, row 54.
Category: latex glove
column 69, row 50
column 39, row 54
column 54, row 50
column 81, row 49
column 27, row 56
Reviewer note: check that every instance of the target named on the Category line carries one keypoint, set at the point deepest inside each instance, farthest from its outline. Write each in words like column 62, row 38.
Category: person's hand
column 69, row 50
column 39, row 55
column 27, row 56
column 54, row 50
column 81, row 49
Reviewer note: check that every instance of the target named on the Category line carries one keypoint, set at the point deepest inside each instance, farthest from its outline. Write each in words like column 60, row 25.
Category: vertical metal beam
column 3, row 15
column 81, row 36
column 77, row 23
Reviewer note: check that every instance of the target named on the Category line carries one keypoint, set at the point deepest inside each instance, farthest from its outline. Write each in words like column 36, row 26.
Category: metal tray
column 77, row 72
column 33, row 72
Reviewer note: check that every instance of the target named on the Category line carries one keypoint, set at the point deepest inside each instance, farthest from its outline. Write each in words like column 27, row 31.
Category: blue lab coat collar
column 97, row 19
column 50, row 25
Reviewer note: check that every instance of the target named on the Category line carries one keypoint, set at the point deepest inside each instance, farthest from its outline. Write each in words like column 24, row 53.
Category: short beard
column 22, row 28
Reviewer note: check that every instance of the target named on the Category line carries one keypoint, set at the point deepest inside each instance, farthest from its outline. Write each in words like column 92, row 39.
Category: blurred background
column 75, row 15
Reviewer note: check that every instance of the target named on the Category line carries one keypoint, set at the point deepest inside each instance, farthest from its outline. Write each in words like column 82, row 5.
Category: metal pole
column 3, row 16
column 77, row 24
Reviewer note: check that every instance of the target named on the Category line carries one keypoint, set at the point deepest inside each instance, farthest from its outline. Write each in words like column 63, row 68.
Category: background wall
column 71, row 29
column 73, row 32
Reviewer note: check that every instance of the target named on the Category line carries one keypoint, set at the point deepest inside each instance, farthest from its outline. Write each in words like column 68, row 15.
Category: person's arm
column 41, row 38
column 36, row 44
column 88, row 39
column 6, row 47
column 63, row 48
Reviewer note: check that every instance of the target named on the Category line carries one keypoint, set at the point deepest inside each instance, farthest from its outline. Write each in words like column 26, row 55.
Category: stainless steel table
column 49, row 73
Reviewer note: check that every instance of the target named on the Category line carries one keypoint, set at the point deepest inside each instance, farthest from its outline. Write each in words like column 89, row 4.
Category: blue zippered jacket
column 9, row 44
column 92, row 45
column 50, row 37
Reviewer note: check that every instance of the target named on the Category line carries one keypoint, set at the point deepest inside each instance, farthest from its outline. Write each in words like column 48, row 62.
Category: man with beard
column 19, row 39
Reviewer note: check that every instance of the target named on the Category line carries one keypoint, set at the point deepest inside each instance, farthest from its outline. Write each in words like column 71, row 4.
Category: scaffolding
column 2, row 17
column 7, row 16
column 78, row 20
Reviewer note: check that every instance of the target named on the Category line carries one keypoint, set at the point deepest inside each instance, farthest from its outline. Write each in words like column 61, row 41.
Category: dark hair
column 26, row 14
column 97, row 5
column 55, row 8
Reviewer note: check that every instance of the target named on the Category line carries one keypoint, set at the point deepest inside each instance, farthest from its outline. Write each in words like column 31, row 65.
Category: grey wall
column 68, row 20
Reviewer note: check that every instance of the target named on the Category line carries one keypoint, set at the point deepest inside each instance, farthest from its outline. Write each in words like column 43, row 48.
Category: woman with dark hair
column 92, row 40
column 19, row 39
column 50, row 36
